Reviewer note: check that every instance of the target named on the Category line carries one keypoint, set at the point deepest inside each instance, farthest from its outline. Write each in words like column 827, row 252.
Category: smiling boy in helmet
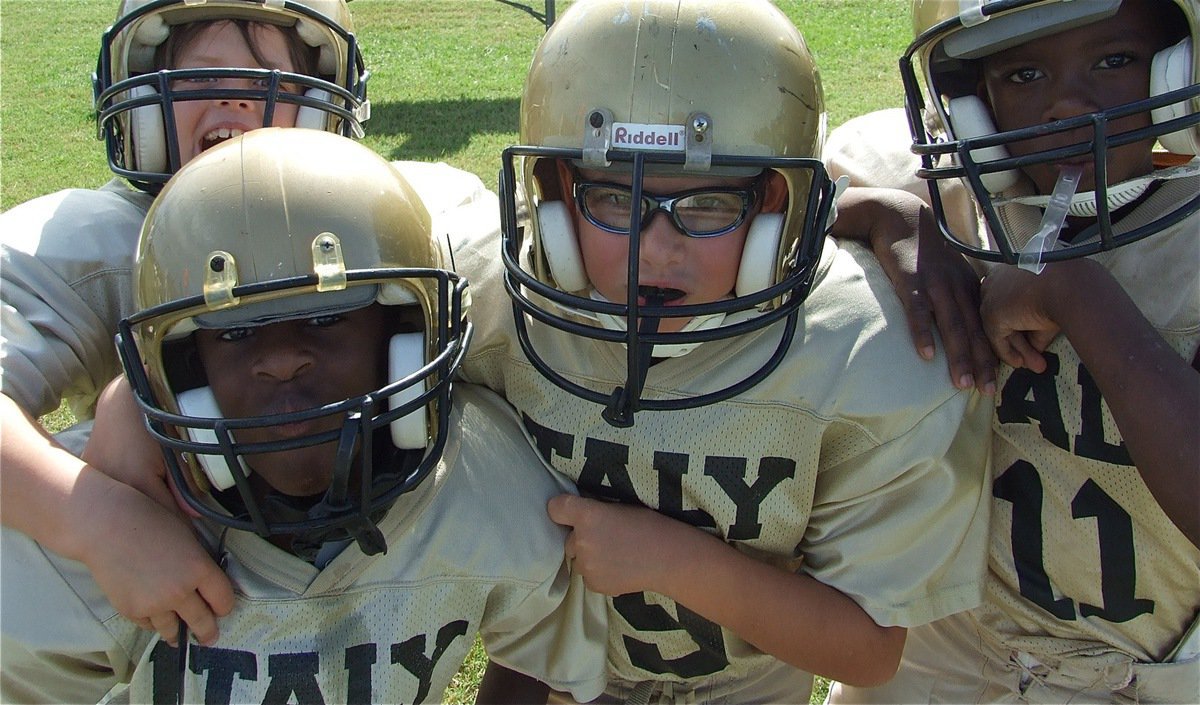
column 1050, row 112
column 171, row 79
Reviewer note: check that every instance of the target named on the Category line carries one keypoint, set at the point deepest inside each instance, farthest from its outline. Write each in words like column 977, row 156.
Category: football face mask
column 1027, row 179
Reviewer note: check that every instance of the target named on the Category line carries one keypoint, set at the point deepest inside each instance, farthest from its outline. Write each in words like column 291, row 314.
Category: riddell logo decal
column 660, row 138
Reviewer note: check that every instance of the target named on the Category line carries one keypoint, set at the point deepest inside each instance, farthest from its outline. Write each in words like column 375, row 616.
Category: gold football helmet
column 135, row 102
column 650, row 88
column 281, row 224
column 955, row 133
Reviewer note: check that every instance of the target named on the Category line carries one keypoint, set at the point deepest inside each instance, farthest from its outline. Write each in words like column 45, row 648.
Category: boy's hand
column 617, row 548
column 945, row 279
column 143, row 554
column 1016, row 313
column 152, row 568
column 935, row 284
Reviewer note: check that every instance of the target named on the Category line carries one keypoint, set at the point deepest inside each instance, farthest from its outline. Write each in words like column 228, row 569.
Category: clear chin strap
column 1053, row 219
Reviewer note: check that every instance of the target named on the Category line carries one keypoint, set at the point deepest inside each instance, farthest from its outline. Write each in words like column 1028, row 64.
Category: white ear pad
column 560, row 246
column 1170, row 70
column 406, row 355
column 199, row 402
column 969, row 117
column 314, row 118
column 150, row 32
column 760, row 253
column 149, row 138
column 314, row 36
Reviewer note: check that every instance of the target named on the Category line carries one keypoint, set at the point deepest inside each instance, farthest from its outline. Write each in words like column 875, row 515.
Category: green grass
column 445, row 86
column 446, row 79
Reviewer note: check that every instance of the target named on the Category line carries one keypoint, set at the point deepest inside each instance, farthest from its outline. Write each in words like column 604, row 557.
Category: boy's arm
column 935, row 284
column 142, row 554
column 620, row 549
column 1152, row 392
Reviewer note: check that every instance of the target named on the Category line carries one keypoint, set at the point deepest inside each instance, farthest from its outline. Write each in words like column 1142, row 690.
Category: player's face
column 200, row 124
column 1079, row 71
column 288, row 367
column 692, row 270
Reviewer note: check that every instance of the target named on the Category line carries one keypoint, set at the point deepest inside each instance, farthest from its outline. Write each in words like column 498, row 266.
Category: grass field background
column 446, row 83
column 446, row 79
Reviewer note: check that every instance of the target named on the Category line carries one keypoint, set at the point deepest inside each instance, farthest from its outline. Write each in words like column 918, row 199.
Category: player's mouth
column 659, row 296
column 290, row 403
column 212, row 138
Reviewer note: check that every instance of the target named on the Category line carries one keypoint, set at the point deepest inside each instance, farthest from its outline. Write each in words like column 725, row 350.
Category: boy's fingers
column 983, row 359
column 561, row 509
column 217, row 593
column 1031, row 350
column 202, row 623
column 984, row 362
column 1015, row 350
column 952, row 323
column 920, row 322
column 167, row 626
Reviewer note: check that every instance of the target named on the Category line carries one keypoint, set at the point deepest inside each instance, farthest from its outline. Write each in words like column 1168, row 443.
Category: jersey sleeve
column 539, row 619
column 65, row 273
column 901, row 528
column 60, row 640
column 556, row 632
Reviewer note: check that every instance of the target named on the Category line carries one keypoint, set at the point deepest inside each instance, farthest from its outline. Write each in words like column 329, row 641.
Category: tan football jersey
column 1111, row 569
column 470, row 551
column 1091, row 586
column 855, row 455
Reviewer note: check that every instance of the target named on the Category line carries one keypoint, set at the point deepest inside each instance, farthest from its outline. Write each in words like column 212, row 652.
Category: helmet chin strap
column 1053, row 219
column 336, row 499
column 1083, row 205
column 706, row 322
column 623, row 403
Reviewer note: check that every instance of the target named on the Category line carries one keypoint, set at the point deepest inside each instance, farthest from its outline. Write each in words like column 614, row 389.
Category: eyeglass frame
column 750, row 194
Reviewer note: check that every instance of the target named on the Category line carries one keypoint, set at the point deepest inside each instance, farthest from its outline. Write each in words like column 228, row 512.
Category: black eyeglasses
column 704, row 212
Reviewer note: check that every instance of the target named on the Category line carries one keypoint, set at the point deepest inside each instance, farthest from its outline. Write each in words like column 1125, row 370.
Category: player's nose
column 661, row 240
column 278, row 356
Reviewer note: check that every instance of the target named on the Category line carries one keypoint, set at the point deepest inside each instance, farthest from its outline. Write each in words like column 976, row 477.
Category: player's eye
column 1025, row 75
column 233, row 335
column 609, row 198
column 323, row 321
column 715, row 201
column 195, row 80
column 1115, row 61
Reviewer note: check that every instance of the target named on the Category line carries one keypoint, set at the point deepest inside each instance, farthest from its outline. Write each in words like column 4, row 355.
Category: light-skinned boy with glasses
column 772, row 482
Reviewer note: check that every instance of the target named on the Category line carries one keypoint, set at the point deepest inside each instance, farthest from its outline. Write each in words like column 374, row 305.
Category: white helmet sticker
column 657, row 138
